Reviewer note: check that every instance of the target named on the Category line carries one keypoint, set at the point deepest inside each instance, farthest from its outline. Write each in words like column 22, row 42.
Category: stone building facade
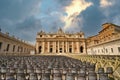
column 106, row 42
column 60, row 42
column 11, row 45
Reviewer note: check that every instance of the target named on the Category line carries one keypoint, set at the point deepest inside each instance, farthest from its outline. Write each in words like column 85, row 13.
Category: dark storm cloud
column 24, row 18
column 52, row 22
column 94, row 16
column 28, row 28
column 17, row 9
column 14, row 15
column 51, row 15
column 92, row 19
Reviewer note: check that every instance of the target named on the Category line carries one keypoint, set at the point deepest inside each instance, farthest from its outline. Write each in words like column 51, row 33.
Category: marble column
column 66, row 46
column 48, row 46
column 58, row 46
column 43, row 47
column 63, row 47
column 54, row 47
column 72, row 47
column 37, row 48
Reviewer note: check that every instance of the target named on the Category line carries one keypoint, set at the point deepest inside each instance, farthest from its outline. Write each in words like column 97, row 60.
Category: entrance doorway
column 81, row 49
column 70, row 50
column 56, row 51
column 40, row 49
column 51, row 50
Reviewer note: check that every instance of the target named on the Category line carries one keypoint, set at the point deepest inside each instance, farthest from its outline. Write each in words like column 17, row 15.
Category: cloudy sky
column 24, row 18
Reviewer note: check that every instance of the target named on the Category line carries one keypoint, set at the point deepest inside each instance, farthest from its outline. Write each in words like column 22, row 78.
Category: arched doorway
column 51, row 50
column 70, row 50
column 40, row 49
column 81, row 49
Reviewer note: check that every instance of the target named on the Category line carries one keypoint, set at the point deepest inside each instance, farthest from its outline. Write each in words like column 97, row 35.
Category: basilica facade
column 60, row 42
column 106, row 42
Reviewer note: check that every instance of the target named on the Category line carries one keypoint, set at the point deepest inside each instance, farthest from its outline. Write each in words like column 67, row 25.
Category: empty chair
column 3, row 71
column 38, row 70
column 33, row 76
column 48, row 71
column 20, row 70
column 64, row 71
column 15, row 65
column 109, row 70
column 45, row 76
column 21, row 76
column 103, row 76
column 91, row 67
column 30, row 70
column 81, row 76
column 70, row 76
column 92, row 76
column 57, row 76
column 82, row 71
column 74, row 71
column 100, row 70
column 9, row 76
column 12, row 70
column 55, row 70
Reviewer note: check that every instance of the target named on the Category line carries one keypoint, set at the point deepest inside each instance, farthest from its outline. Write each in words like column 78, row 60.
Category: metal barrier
column 107, row 62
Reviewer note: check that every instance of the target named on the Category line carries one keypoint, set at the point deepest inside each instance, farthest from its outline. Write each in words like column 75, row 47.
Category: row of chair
column 49, row 68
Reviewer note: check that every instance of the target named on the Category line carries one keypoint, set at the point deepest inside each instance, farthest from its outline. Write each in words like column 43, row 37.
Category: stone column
column 77, row 47
column 72, row 47
column 37, row 48
column 58, row 46
column 84, row 48
column 48, row 46
column 66, row 46
column 43, row 47
column 63, row 47
column 54, row 47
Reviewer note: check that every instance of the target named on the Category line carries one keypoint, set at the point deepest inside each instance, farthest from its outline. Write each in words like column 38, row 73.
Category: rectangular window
column 13, row 48
column 7, row 49
column 112, row 50
column 0, row 45
column 118, row 49
column 18, row 49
